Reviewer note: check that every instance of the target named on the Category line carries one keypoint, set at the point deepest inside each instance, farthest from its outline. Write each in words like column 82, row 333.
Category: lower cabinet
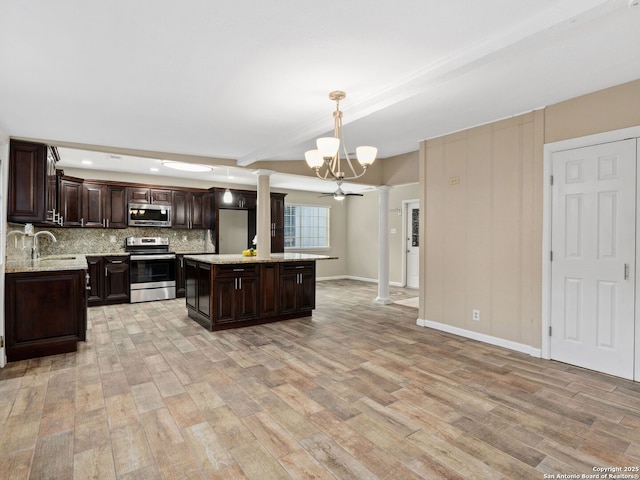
column 108, row 280
column 298, row 287
column 45, row 313
column 180, row 276
column 234, row 295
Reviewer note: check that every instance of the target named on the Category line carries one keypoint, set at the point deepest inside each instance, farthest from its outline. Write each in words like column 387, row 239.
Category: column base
column 383, row 301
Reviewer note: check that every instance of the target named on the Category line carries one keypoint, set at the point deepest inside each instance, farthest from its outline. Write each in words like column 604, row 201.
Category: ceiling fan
column 339, row 194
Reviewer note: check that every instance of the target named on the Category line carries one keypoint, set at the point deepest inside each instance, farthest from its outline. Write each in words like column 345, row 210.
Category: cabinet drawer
column 291, row 267
column 236, row 270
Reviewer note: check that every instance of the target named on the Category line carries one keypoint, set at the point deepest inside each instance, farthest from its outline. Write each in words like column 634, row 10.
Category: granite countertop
column 273, row 258
column 47, row 264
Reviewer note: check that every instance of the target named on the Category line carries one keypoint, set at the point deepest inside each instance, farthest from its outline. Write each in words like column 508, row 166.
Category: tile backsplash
column 103, row 241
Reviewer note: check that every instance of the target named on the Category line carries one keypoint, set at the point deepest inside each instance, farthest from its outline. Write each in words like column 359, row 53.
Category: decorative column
column 263, row 214
column 383, row 247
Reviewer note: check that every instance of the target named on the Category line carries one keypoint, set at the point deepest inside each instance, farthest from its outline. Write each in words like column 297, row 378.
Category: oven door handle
column 153, row 257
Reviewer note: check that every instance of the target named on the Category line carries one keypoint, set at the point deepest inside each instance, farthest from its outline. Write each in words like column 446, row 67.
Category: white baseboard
column 481, row 337
column 361, row 279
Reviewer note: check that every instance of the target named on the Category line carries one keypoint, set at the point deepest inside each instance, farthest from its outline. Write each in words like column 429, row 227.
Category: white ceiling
column 250, row 80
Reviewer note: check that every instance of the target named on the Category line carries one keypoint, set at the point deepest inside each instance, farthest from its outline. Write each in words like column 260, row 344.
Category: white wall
column 362, row 233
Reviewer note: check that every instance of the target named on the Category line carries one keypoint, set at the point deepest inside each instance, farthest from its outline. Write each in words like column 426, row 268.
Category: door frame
column 549, row 150
column 405, row 226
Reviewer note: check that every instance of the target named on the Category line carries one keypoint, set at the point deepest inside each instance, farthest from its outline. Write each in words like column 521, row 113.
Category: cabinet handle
column 181, row 262
column 116, row 261
column 107, row 223
column 240, row 283
column 87, row 284
column 82, row 222
column 105, row 271
column 238, row 269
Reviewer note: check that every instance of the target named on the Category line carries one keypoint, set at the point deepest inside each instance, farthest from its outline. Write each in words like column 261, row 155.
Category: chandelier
column 326, row 160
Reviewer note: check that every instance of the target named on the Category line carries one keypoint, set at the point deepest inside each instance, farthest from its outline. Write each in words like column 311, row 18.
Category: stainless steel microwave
column 148, row 215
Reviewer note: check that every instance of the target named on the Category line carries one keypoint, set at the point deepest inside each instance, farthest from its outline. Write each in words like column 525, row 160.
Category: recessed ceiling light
column 187, row 167
column 87, row 162
column 154, row 169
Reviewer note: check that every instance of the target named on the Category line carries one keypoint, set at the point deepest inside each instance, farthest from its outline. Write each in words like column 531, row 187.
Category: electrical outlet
column 475, row 315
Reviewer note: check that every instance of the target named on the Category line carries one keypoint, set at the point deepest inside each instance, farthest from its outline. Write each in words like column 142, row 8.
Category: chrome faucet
column 36, row 253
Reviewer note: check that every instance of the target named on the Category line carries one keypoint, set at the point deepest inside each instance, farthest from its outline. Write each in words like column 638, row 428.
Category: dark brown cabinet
column 277, row 222
column 70, row 191
column 298, row 287
column 198, row 288
column 26, row 202
column 269, row 289
column 180, row 274
column 189, row 209
column 104, row 206
column 149, row 195
column 235, row 298
column 45, row 313
column 231, row 295
column 108, row 280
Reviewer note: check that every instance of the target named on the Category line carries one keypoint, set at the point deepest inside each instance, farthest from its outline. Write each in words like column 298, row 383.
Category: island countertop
column 229, row 259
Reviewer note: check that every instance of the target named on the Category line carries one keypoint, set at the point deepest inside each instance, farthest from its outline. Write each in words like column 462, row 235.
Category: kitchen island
column 229, row 291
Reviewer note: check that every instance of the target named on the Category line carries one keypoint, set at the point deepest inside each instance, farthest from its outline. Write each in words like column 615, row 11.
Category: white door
column 593, row 248
column 412, row 244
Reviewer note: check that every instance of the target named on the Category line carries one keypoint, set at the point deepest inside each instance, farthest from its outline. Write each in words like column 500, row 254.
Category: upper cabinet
column 149, row 195
column 104, row 205
column 27, row 193
column 189, row 209
column 70, row 203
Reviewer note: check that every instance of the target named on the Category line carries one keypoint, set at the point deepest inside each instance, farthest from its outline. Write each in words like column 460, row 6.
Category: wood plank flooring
column 357, row 391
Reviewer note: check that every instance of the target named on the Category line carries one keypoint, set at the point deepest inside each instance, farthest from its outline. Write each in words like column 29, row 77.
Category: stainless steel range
column 152, row 267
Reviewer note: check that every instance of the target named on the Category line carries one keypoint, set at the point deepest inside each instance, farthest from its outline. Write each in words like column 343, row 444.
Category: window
column 306, row 226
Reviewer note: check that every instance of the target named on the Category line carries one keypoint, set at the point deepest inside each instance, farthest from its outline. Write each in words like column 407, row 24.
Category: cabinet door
column 269, row 289
column 180, row 209
column 277, row 223
column 116, row 284
column 307, row 291
column 45, row 313
column 204, row 289
column 138, row 195
column 191, row 284
column 198, row 210
column 180, row 278
column 247, row 298
column 225, row 299
column 161, row 197
column 70, row 198
column 27, row 182
column 116, row 207
column 93, row 205
column 95, row 294
column 288, row 292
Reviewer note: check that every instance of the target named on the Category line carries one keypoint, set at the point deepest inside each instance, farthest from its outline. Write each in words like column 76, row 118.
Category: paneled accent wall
column 482, row 200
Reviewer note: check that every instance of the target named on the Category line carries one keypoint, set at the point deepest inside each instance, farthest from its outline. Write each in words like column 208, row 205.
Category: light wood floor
column 357, row 391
